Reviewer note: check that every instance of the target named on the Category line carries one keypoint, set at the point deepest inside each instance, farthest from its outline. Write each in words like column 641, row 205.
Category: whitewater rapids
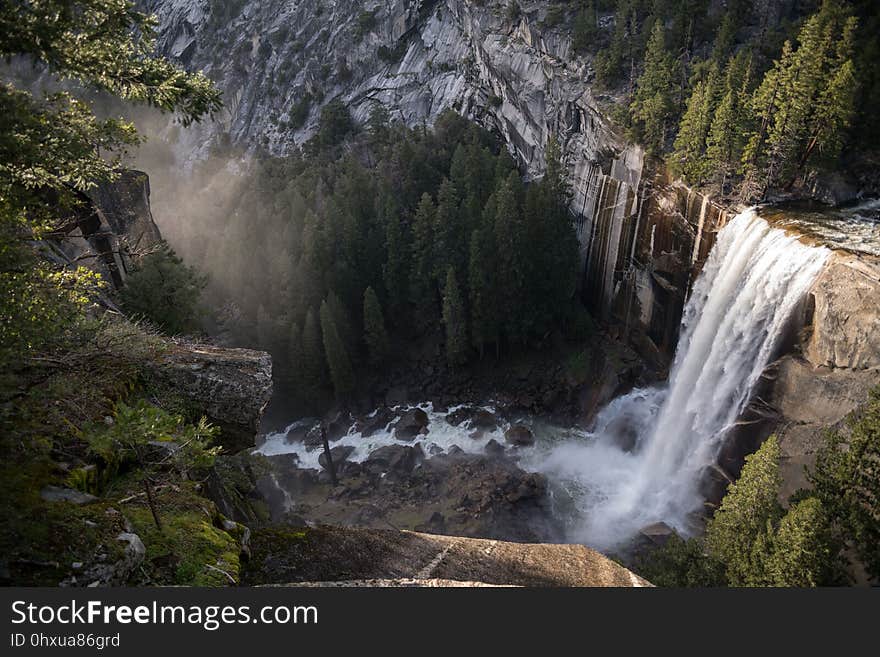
column 643, row 459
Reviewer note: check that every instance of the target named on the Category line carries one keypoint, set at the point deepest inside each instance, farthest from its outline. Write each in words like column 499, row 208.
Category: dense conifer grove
column 391, row 235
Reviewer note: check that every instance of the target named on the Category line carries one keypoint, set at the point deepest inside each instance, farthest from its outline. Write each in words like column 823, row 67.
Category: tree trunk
column 148, row 489
column 330, row 467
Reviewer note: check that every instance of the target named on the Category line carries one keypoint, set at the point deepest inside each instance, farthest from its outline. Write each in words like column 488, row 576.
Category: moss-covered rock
column 192, row 548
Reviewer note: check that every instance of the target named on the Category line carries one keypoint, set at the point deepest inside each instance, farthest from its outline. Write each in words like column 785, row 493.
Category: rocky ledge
column 369, row 557
column 230, row 386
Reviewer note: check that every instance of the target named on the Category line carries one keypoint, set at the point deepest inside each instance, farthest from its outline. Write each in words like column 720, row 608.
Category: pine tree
column 845, row 479
column 395, row 273
column 484, row 327
column 314, row 374
column 163, row 290
column 583, row 35
column 609, row 61
column 422, row 283
column 450, row 232
column 338, row 362
column 730, row 124
column 805, row 550
column 454, row 321
column 804, row 102
column 688, row 156
column 512, row 253
column 375, row 335
column 740, row 533
column 341, row 319
column 723, row 143
column 653, row 104
column 295, row 351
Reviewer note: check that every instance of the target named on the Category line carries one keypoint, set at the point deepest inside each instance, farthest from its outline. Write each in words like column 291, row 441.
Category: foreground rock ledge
column 231, row 386
column 337, row 556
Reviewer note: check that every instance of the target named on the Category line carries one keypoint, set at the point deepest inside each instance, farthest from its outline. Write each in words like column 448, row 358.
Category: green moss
column 280, row 549
column 190, row 550
column 39, row 540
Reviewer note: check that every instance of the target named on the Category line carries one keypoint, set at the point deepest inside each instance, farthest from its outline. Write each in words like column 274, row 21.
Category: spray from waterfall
column 644, row 459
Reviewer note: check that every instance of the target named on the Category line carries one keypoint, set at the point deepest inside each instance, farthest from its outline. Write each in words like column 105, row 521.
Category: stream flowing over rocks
column 649, row 459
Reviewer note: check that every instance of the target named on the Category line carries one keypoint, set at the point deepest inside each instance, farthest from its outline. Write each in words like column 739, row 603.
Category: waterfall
column 644, row 458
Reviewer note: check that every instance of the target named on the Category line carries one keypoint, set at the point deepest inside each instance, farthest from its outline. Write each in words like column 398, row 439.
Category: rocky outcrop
column 230, row 386
column 398, row 486
column 827, row 374
column 114, row 226
column 359, row 557
column 846, row 320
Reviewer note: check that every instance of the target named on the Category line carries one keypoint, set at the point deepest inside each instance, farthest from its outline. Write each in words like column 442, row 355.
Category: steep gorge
column 644, row 237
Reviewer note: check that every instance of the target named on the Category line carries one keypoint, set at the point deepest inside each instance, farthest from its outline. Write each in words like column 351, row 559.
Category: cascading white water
column 643, row 459
column 754, row 278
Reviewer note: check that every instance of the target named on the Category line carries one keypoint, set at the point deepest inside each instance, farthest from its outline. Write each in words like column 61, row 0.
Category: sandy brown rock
column 809, row 400
column 367, row 557
column 846, row 320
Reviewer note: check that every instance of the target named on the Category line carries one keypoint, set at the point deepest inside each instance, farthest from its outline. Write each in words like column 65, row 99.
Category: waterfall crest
column 754, row 279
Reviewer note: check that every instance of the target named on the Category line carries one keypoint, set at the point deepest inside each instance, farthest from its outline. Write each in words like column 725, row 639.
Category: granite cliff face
column 113, row 226
column 230, row 386
column 831, row 369
column 642, row 237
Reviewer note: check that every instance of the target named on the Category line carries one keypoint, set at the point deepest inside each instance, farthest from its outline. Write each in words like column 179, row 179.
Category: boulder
column 519, row 435
column 411, row 424
column 657, row 533
column 460, row 415
column 846, row 324
column 57, row 494
column 375, row 422
column 399, row 459
column 623, row 432
column 231, row 386
column 337, row 425
column 299, row 432
column 340, row 455
column 484, row 419
column 114, row 573
column 494, row 448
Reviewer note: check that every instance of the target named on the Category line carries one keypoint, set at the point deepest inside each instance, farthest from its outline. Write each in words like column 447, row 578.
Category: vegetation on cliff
column 89, row 458
column 749, row 97
column 752, row 540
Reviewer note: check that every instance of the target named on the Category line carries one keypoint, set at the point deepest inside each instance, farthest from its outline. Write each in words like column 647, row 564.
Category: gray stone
column 57, row 494
column 519, row 435
column 411, row 424
column 339, row 454
column 494, row 448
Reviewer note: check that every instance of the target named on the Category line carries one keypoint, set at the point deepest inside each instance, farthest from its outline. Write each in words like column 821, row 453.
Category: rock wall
column 114, row 225
column 642, row 237
column 231, row 387
column 337, row 556
column 832, row 368
column 643, row 247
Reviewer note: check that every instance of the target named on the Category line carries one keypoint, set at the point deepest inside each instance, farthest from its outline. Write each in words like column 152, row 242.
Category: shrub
column 164, row 291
